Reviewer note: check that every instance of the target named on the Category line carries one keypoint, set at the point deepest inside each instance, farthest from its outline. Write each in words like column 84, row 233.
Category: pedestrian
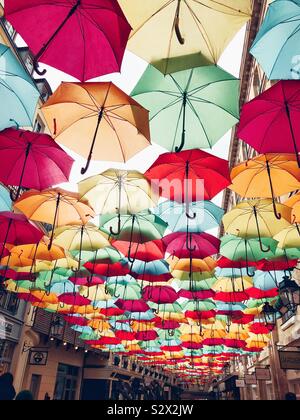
column 24, row 396
column 290, row 396
column 47, row 397
column 7, row 390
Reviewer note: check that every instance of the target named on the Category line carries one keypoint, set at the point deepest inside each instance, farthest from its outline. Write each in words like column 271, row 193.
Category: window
column 35, row 386
column 66, row 383
column 9, row 302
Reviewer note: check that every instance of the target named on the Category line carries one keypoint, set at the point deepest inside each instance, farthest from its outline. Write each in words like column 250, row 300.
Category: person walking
column 24, row 396
column 290, row 396
column 7, row 390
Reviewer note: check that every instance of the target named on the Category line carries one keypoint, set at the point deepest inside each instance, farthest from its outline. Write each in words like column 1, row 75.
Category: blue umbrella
column 17, row 92
column 208, row 216
column 234, row 272
column 155, row 268
column 276, row 46
column 5, row 200
column 265, row 280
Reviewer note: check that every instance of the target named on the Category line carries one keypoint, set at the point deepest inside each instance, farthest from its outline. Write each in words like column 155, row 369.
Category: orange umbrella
column 266, row 176
column 39, row 252
column 185, row 264
column 294, row 204
column 57, row 207
column 97, row 120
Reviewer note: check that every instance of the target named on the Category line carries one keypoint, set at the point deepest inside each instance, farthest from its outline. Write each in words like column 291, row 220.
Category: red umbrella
column 76, row 320
column 224, row 262
column 213, row 342
column 260, row 328
column 87, row 281
column 16, row 229
column 125, row 335
column 191, row 346
column 32, row 160
column 242, row 319
column 200, row 315
column 202, row 245
column 138, row 305
column 270, row 123
column 276, row 265
column 103, row 341
column 235, row 344
column 110, row 312
column 255, row 293
column 152, row 278
column 198, row 295
column 171, row 349
column 232, row 297
column 84, row 38
column 146, row 335
column 167, row 325
column 107, row 270
column 149, row 251
column 180, row 176
column 160, row 294
column 74, row 299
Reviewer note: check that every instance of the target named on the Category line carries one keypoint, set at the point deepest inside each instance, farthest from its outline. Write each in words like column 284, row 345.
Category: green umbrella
column 139, row 228
column 237, row 249
column 126, row 292
column 199, row 306
column 182, row 105
column 196, row 286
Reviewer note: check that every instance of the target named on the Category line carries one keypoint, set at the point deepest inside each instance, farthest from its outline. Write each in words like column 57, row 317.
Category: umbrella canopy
column 294, row 204
column 186, row 169
column 208, row 215
column 160, row 294
column 113, row 125
column 67, row 35
column 275, row 43
column 203, row 243
column 271, row 116
column 163, row 30
column 266, row 176
column 181, row 105
column 16, row 229
column 149, row 251
column 17, row 91
column 32, row 160
column 5, row 200
column 128, row 192
column 288, row 237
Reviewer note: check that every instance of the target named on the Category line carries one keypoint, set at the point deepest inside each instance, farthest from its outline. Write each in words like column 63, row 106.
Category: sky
column 132, row 69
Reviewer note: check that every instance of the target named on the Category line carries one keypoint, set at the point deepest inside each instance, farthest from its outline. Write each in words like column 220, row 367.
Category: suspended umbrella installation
column 129, row 261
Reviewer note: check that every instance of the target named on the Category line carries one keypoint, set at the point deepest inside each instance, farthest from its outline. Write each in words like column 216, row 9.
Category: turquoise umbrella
column 234, row 272
column 5, row 200
column 276, row 46
column 265, row 280
column 17, row 92
column 182, row 104
column 208, row 216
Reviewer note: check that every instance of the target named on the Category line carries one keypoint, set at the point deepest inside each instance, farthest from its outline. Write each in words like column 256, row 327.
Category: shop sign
column 240, row 383
column 263, row 374
column 250, row 379
column 38, row 357
column 289, row 360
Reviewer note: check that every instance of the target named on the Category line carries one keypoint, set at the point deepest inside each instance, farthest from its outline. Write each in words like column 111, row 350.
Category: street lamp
column 270, row 315
column 56, row 328
column 289, row 293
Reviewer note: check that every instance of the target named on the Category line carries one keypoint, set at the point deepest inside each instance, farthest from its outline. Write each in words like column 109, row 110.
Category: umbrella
column 275, row 43
column 294, row 204
column 17, row 90
column 5, row 200
column 191, row 175
column 32, row 160
column 208, row 215
column 256, row 218
column 288, row 237
column 160, row 294
column 164, row 31
column 236, row 248
column 16, row 229
column 202, row 244
column 113, row 125
column 149, row 251
column 56, row 207
column 80, row 238
column 147, row 270
column 68, row 35
column 138, row 228
column 266, row 176
column 271, row 116
column 181, row 105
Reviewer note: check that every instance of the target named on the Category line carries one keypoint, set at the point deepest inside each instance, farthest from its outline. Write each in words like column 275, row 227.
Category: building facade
column 284, row 348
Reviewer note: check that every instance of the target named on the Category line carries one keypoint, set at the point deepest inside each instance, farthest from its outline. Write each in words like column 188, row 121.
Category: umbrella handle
column 171, row 333
column 180, row 38
column 188, row 241
column 119, row 227
column 87, row 295
column 258, row 232
column 36, row 68
column 277, row 215
column 247, row 266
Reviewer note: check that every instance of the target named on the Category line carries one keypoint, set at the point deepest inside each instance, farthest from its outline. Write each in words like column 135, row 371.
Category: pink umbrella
column 84, row 38
column 270, row 123
column 198, row 295
column 146, row 335
column 201, row 245
column 132, row 305
column 167, row 325
column 74, row 299
column 160, row 294
column 32, row 160
column 16, row 229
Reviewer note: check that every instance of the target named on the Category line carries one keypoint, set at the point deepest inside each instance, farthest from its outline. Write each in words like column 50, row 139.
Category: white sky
column 132, row 69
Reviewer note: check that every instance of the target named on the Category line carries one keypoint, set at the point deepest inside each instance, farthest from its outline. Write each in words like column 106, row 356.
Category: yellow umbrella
column 228, row 285
column 289, row 237
column 128, row 192
column 39, row 252
column 96, row 293
column 166, row 30
column 256, row 219
column 98, row 121
column 99, row 324
column 184, row 264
